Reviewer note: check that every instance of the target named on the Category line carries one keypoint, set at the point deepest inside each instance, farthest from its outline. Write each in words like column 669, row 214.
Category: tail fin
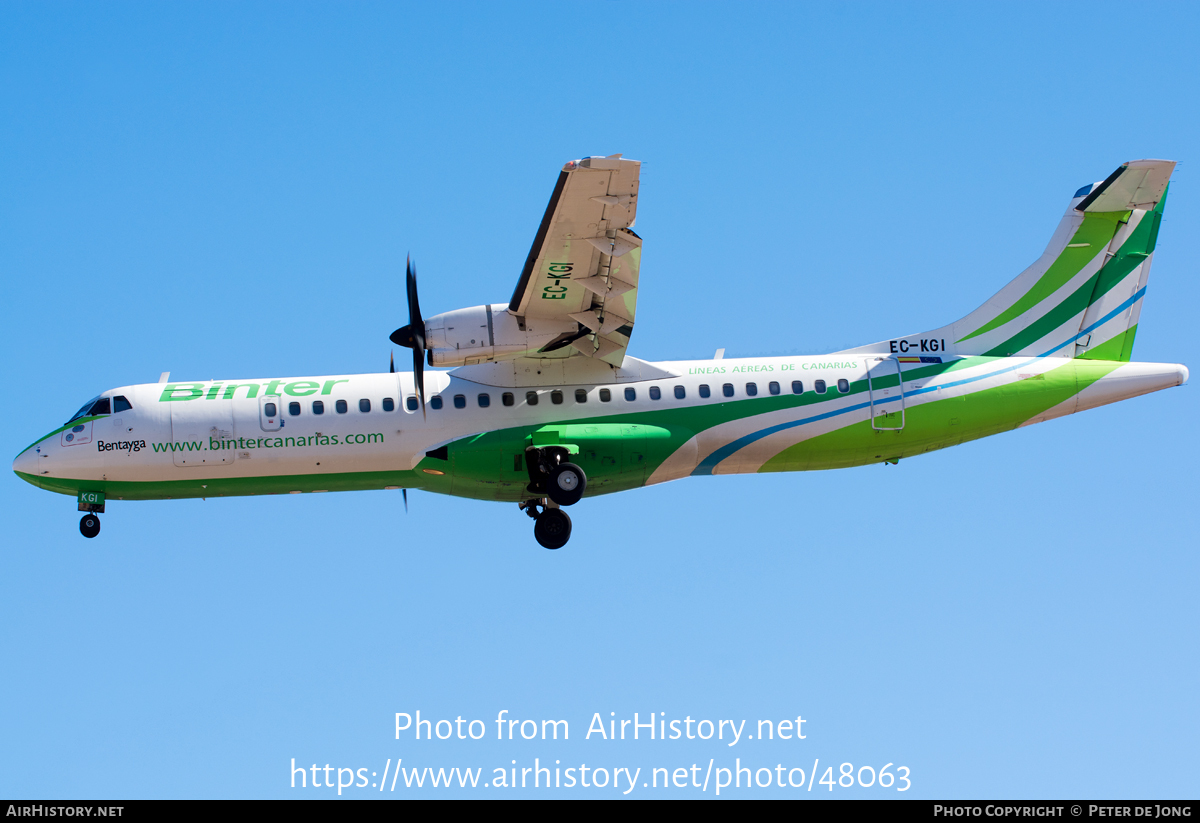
column 1083, row 296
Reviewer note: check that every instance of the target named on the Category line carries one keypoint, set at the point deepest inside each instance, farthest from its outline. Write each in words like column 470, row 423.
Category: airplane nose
column 26, row 462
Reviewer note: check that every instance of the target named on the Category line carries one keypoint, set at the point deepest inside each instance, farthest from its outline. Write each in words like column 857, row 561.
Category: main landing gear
column 89, row 525
column 563, row 483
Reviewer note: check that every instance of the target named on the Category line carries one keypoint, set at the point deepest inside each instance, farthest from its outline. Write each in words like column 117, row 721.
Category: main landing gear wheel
column 552, row 529
column 552, row 476
column 89, row 525
column 566, row 484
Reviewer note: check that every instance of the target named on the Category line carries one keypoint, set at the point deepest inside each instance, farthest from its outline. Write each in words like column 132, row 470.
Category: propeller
column 404, row 492
column 392, row 364
column 412, row 336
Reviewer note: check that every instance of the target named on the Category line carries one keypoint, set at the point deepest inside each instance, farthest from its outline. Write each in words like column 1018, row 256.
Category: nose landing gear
column 89, row 525
column 551, row 526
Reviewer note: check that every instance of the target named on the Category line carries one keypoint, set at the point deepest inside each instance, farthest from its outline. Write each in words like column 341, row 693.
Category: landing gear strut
column 89, row 525
column 551, row 474
column 552, row 526
column 562, row 483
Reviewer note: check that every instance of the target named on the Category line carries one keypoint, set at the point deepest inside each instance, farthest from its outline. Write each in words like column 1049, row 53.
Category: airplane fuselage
column 729, row 416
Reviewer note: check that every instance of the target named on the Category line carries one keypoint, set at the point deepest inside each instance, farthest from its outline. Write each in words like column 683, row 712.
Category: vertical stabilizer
column 1083, row 296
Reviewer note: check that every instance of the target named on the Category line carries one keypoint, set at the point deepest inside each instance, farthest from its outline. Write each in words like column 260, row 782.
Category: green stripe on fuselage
column 224, row 486
column 76, row 422
column 941, row 423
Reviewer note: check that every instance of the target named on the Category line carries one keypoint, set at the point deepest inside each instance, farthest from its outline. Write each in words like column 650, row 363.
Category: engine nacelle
column 486, row 333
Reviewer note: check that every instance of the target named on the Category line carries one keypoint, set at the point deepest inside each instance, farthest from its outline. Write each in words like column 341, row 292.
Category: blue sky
column 231, row 190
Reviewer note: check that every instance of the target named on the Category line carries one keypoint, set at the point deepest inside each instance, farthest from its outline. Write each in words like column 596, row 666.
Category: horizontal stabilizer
column 1138, row 184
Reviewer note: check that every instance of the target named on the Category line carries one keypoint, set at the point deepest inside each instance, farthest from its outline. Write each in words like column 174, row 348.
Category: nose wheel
column 89, row 525
column 551, row 526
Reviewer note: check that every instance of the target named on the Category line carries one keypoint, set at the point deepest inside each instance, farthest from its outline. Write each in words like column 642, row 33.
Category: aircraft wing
column 583, row 266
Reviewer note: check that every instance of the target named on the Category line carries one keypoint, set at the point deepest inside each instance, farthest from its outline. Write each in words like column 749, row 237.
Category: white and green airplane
column 544, row 405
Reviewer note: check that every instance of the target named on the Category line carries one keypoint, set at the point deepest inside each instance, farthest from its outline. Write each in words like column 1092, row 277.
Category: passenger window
column 269, row 409
column 318, row 407
column 727, row 390
column 485, row 400
column 364, row 405
column 605, row 395
column 294, row 409
column 655, row 394
column 120, row 404
column 819, row 386
column 460, row 401
column 412, row 403
column 680, row 392
column 507, row 398
column 631, row 393
column 797, row 387
column 435, row 402
column 101, row 406
column 531, row 398
column 843, row 385
column 389, row 404
column 773, row 387
column 341, row 407
column 581, row 395
column 705, row 391
column 556, row 397
column 751, row 389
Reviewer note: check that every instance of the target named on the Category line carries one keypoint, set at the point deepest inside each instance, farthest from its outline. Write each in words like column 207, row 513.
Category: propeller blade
column 415, row 321
column 392, row 364
column 404, row 492
column 416, row 330
column 412, row 336
column 419, row 378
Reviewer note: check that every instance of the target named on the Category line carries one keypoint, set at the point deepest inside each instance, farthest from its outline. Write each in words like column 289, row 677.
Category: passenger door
column 270, row 412
column 885, row 384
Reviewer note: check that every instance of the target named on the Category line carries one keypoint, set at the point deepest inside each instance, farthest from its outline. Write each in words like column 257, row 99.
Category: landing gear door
column 885, row 384
column 270, row 412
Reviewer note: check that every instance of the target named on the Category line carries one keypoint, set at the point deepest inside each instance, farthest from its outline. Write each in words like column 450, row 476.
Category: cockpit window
column 84, row 409
column 95, row 406
column 102, row 405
